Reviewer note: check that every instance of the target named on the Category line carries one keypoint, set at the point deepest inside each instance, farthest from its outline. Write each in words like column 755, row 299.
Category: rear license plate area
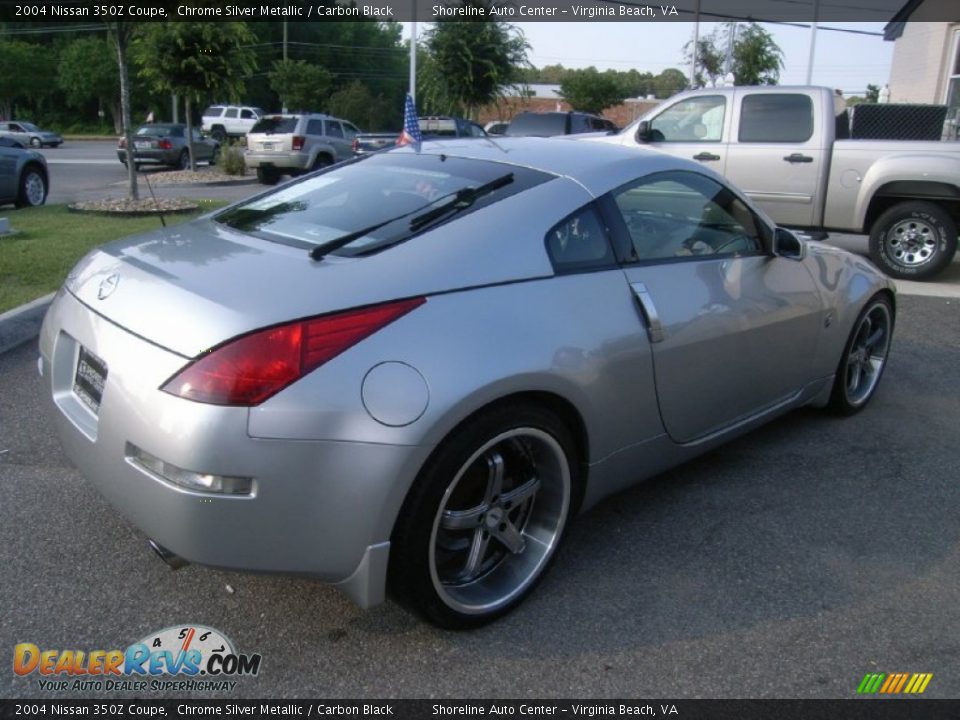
column 89, row 379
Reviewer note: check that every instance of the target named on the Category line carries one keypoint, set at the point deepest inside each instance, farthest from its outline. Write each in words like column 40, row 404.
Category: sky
column 841, row 60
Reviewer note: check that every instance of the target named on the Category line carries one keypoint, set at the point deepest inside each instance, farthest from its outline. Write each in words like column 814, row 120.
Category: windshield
column 30, row 126
column 377, row 195
column 160, row 130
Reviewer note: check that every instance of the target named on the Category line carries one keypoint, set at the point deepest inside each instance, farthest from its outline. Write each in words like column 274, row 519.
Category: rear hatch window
column 275, row 125
column 379, row 198
column 539, row 125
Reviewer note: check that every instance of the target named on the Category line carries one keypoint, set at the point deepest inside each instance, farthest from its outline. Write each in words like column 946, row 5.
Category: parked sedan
column 417, row 368
column 166, row 144
column 23, row 175
column 28, row 134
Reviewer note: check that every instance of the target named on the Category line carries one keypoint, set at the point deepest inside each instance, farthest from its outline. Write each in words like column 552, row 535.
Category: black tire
column 183, row 161
column 913, row 240
column 267, row 176
column 320, row 162
column 33, row 188
column 218, row 133
column 35, row 142
column 456, row 511
column 215, row 155
column 864, row 357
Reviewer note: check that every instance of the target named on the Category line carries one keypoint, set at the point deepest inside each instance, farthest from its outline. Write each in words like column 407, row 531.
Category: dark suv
column 546, row 124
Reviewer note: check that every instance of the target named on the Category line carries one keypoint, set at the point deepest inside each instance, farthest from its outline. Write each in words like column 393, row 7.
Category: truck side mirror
column 788, row 245
column 644, row 134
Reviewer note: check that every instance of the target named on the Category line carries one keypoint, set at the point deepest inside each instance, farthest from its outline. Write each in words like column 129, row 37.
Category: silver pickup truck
column 785, row 147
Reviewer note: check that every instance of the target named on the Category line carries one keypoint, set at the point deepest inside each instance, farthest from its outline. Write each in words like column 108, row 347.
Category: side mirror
column 788, row 245
column 644, row 134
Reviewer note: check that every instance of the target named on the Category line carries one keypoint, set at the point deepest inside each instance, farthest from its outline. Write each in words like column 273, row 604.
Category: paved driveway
column 787, row 564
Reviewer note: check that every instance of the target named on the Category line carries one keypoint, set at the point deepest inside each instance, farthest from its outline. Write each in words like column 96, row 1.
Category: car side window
column 246, row 114
column 776, row 118
column 349, row 131
column 230, row 113
column 579, row 242
column 334, row 129
column 697, row 119
column 314, row 127
column 685, row 215
column 15, row 128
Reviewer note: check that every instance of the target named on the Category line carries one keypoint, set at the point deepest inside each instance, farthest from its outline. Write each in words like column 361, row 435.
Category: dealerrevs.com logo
column 177, row 659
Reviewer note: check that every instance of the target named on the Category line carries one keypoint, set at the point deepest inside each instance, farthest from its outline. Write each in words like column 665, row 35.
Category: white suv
column 223, row 121
column 294, row 144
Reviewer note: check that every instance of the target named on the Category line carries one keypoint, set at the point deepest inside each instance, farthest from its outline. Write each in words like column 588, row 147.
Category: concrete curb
column 23, row 323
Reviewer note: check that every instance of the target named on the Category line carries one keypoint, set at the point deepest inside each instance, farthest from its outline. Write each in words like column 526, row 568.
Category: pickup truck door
column 694, row 129
column 732, row 327
column 778, row 154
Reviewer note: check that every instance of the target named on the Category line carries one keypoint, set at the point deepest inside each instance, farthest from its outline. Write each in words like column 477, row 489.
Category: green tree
column 88, row 72
column 23, row 71
column 873, row 93
column 591, row 91
column 757, row 59
column 472, row 62
column 300, row 85
column 194, row 58
column 669, row 82
column 358, row 104
column 710, row 59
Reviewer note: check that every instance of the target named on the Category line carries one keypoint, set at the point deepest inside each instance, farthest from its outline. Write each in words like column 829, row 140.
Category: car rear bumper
column 316, row 507
column 280, row 160
column 152, row 157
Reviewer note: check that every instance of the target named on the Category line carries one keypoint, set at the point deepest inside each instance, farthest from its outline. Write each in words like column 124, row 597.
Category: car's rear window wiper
column 460, row 200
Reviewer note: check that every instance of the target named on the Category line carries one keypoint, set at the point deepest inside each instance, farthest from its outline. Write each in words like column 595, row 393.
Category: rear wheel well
column 943, row 194
column 559, row 406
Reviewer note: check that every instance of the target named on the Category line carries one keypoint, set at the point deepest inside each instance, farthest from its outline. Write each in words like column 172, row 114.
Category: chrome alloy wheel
column 34, row 189
column 500, row 520
column 912, row 242
column 867, row 354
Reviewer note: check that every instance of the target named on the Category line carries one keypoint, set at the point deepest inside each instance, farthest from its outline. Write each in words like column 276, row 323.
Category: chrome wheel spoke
column 494, row 477
column 462, row 519
column 478, row 551
column 854, row 381
column 521, row 494
column 511, row 538
column 872, row 341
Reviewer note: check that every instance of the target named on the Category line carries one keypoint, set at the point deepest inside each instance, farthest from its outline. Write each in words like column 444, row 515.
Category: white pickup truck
column 785, row 147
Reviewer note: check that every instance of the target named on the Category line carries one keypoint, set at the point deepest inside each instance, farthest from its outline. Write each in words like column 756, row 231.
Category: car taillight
column 165, row 144
column 298, row 142
column 123, row 143
column 251, row 368
column 355, row 145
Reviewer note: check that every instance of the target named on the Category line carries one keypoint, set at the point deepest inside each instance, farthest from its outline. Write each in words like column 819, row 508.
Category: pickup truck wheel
column 913, row 240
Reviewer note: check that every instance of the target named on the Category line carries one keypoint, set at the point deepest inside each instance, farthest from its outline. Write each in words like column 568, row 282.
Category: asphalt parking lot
column 787, row 564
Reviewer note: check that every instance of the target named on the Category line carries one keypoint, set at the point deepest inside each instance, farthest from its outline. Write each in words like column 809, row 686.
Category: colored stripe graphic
column 894, row 683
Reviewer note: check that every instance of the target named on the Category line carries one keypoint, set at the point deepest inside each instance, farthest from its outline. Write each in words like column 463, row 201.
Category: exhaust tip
column 172, row 560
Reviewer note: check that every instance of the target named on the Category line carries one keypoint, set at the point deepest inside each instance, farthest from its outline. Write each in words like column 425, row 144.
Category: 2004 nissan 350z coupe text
column 413, row 369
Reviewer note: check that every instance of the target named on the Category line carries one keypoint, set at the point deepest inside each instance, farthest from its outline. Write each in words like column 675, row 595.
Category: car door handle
column 650, row 314
column 798, row 158
column 706, row 157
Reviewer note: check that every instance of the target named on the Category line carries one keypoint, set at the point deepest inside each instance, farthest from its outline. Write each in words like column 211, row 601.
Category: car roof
column 598, row 167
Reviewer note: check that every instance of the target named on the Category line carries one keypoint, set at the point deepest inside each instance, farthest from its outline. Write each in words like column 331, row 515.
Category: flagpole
column 413, row 57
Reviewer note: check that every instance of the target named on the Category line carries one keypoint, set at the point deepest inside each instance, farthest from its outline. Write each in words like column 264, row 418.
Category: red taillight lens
column 249, row 369
column 298, row 142
column 165, row 144
column 355, row 145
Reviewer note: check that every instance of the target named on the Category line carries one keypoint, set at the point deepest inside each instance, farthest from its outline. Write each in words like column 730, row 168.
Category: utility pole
column 813, row 41
column 284, row 53
column 413, row 58
column 696, row 42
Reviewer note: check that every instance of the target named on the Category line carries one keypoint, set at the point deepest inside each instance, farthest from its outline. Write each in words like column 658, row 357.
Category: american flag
column 411, row 126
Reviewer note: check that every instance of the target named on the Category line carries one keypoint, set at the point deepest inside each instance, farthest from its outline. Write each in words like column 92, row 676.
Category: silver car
column 414, row 369
column 28, row 134
column 296, row 144
column 24, row 180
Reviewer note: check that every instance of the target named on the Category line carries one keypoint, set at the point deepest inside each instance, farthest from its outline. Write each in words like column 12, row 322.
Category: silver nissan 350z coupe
column 414, row 369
